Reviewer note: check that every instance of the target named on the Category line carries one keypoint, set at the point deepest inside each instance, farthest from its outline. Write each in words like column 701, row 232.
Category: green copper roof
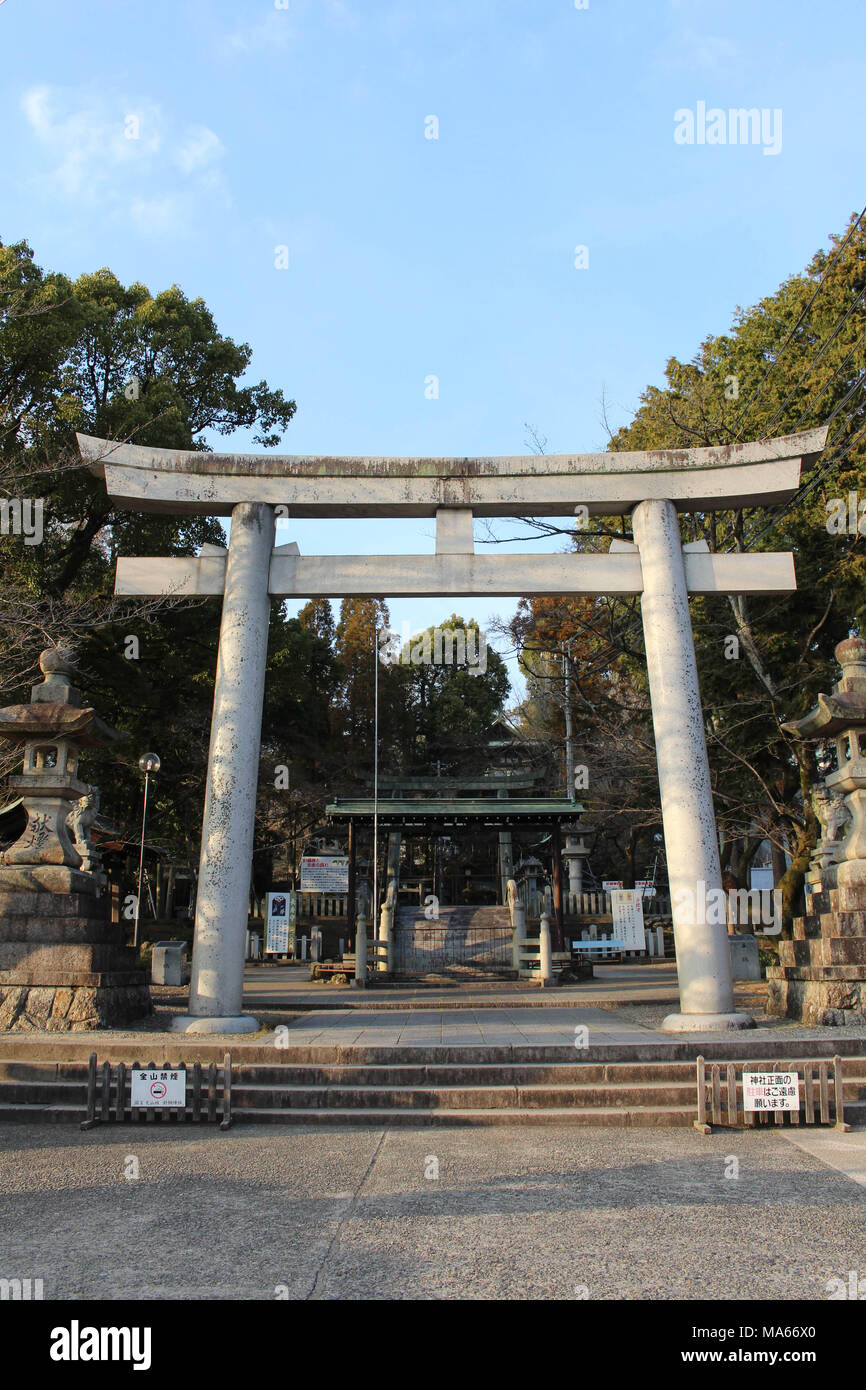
column 492, row 811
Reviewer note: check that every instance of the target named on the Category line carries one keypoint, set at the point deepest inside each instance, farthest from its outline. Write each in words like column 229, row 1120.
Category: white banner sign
column 327, row 873
column 280, row 925
column 771, row 1090
column 160, row 1087
column 626, row 905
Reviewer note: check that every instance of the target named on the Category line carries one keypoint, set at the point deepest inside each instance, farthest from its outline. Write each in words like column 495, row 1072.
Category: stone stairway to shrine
column 645, row 1085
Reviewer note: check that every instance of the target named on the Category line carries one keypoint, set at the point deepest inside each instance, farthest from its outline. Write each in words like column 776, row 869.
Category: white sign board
column 158, row 1087
column 771, row 1090
column 626, row 905
column 646, row 887
column 608, row 885
column 326, row 873
column 280, row 925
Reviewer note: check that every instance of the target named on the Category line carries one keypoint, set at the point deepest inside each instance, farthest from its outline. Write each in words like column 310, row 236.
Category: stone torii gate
column 653, row 486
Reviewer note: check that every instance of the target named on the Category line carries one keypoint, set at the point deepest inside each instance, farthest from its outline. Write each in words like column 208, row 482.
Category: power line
column 812, row 482
column 816, row 359
column 777, row 359
column 830, row 380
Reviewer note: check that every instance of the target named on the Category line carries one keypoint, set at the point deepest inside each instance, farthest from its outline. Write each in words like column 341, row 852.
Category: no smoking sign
column 158, row 1087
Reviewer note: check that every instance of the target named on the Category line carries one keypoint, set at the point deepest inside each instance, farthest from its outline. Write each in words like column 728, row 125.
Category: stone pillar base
column 706, row 1023
column 230, row 1023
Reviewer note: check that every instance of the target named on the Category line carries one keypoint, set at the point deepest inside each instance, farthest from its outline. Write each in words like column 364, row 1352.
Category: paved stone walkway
column 265, row 1212
column 485, row 1027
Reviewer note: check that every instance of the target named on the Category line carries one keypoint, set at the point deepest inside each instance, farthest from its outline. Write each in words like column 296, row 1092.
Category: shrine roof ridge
column 491, row 810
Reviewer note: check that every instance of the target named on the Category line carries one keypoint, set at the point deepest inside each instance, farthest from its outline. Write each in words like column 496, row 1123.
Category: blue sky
column 260, row 126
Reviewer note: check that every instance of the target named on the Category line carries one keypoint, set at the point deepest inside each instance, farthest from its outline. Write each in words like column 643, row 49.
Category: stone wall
column 63, row 967
column 821, row 975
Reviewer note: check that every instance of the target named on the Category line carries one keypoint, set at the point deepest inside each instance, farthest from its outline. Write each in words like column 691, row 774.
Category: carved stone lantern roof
column 55, row 709
column 845, row 708
column 19, row 723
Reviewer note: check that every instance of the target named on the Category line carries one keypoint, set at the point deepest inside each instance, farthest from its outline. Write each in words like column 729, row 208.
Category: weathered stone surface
column 74, row 956
column 44, row 903
column 73, row 1009
column 815, row 1002
column 45, row 878
column 59, row 930
column 62, row 1003
column 39, row 1002
column 83, row 1006
column 11, row 1003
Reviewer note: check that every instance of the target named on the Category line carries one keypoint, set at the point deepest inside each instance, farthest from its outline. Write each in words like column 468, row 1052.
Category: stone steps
column 385, row 1096
column 453, row 1085
column 389, row 1119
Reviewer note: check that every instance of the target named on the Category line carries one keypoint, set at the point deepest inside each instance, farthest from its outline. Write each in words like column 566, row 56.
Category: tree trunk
column 807, row 838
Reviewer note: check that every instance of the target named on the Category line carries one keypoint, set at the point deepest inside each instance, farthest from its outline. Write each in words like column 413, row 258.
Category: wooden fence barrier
column 315, row 904
column 109, row 1089
column 814, row 1094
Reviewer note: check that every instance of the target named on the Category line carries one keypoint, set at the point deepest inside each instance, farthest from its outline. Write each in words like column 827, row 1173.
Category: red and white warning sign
column 771, row 1090
column 162, row 1086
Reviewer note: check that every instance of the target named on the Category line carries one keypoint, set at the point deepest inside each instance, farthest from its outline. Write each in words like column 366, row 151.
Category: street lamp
column 148, row 763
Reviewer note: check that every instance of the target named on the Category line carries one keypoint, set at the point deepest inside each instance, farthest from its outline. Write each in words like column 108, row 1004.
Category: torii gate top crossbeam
column 190, row 482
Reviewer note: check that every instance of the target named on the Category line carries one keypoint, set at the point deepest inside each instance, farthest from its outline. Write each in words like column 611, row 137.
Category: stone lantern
column 63, row 964
column 841, row 717
column 821, row 975
column 574, row 854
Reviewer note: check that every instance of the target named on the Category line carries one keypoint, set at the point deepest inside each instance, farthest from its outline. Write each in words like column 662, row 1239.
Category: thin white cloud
column 85, row 147
column 275, row 31
column 128, row 158
column 201, row 149
column 339, row 13
column 281, row 27
column 161, row 217
column 685, row 49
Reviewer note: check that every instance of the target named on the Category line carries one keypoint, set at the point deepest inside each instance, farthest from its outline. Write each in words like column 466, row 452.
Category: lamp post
column 148, row 762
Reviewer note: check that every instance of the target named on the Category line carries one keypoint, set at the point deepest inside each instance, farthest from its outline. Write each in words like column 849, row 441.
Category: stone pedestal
column 62, row 965
column 821, row 975
column 745, row 957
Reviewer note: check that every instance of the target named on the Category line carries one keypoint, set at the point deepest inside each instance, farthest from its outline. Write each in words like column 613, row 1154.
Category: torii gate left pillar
column 223, row 898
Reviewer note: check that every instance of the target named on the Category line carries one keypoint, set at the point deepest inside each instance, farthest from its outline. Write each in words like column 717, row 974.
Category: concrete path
column 267, row 1213
column 467, row 1027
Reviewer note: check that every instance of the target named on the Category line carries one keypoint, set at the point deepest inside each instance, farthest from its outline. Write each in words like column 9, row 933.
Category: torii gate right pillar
column 703, row 957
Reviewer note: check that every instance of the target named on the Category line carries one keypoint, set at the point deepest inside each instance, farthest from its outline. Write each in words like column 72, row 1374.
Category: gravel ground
column 559, row 1213
column 651, row 1015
